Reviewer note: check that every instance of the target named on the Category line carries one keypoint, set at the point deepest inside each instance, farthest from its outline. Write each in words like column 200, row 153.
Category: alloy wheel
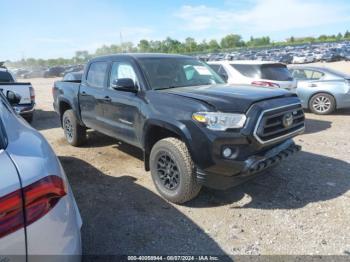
column 321, row 104
column 168, row 171
column 68, row 129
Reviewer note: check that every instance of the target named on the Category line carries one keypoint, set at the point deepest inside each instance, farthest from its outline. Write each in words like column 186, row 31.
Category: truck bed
column 67, row 89
column 23, row 89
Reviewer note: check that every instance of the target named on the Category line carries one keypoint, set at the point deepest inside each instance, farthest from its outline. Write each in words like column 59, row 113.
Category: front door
column 121, row 111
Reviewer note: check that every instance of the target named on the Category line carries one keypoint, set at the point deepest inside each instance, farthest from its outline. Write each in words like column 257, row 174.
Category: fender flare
column 72, row 106
column 175, row 127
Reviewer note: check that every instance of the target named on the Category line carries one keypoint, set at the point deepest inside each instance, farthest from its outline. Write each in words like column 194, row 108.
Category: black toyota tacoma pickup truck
column 193, row 129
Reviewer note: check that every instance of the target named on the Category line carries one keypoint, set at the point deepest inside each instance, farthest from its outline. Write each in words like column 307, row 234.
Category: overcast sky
column 51, row 29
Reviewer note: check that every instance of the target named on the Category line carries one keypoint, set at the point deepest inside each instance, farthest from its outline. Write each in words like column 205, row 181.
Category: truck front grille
column 278, row 123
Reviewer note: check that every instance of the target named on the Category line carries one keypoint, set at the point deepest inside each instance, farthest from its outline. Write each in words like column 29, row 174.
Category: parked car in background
column 38, row 213
column 55, row 71
column 320, row 89
column 299, row 54
column 193, row 129
column 26, row 105
column 19, row 73
column 34, row 74
column 76, row 76
column 302, row 59
column 256, row 73
column 74, row 68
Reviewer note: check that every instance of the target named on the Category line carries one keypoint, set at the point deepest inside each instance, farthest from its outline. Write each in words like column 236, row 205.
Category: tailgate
column 23, row 89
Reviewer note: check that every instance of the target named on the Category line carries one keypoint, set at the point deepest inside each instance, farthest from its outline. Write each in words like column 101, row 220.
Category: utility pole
column 121, row 41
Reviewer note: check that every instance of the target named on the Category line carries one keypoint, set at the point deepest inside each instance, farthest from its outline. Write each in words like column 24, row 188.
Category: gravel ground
column 299, row 208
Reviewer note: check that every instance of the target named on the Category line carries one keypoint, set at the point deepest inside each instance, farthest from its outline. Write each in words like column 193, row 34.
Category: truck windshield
column 5, row 77
column 165, row 73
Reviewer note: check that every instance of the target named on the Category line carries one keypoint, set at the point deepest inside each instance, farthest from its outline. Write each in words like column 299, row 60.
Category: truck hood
column 230, row 98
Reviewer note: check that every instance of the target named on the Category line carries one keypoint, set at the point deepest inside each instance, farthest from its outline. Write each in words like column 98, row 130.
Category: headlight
column 220, row 121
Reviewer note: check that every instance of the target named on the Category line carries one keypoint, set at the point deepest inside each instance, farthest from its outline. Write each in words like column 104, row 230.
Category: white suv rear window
column 277, row 72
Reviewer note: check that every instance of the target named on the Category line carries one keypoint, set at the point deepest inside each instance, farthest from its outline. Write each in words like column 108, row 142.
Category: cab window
column 122, row 70
column 97, row 74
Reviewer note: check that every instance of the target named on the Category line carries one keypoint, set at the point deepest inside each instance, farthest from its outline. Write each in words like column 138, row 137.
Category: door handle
column 312, row 85
column 83, row 93
column 107, row 99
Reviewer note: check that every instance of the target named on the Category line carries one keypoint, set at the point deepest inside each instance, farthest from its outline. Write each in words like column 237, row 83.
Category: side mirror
column 13, row 98
column 125, row 84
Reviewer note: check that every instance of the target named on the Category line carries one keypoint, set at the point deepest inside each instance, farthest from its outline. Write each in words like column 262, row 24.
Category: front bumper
column 251, row 167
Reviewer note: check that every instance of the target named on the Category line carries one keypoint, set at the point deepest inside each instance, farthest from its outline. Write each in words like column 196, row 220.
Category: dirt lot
column 300, row 207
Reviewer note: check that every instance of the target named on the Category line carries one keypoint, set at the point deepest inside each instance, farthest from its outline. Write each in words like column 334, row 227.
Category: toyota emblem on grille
column 288, row 120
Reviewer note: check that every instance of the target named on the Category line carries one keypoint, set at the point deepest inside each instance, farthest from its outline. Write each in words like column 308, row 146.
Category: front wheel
column 75, row 133
column 173, row 171
column 322, row 104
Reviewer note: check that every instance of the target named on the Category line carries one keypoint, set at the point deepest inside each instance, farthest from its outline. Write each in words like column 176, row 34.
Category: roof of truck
column 140, row 55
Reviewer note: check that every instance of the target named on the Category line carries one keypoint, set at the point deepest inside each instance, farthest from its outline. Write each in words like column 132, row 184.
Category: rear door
column 12, row 234
column 307, row 77
column 92, row 95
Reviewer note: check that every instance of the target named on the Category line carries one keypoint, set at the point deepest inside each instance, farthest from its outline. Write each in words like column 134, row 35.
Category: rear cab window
column 97, row 73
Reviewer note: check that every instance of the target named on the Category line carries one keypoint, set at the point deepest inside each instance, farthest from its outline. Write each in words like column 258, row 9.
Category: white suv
column 257, row 73
column 39, row 218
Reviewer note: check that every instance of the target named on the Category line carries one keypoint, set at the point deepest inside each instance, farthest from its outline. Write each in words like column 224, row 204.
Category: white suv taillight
column 32, row 94
column 265, row 84
column 39, row 198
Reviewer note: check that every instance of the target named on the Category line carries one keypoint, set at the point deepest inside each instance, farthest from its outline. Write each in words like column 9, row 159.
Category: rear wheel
column 173, row 171
column 322, row 104
column 75, row 133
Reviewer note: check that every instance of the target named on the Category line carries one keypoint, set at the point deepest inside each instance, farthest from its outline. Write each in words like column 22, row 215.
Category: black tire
column 75, row 133
column 322, row 104
column 171, row 163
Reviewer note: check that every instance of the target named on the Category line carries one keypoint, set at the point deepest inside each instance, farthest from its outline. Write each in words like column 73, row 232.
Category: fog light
column 227, row 152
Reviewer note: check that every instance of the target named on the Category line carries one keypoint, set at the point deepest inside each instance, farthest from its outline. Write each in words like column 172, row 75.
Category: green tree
column 347, row 34
column 203, row 46
column 81, row 56
column 339, row 36
column 231, row 41
column 214, row 45
column 190, row 44
column 144, row 46
column 323, row 37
